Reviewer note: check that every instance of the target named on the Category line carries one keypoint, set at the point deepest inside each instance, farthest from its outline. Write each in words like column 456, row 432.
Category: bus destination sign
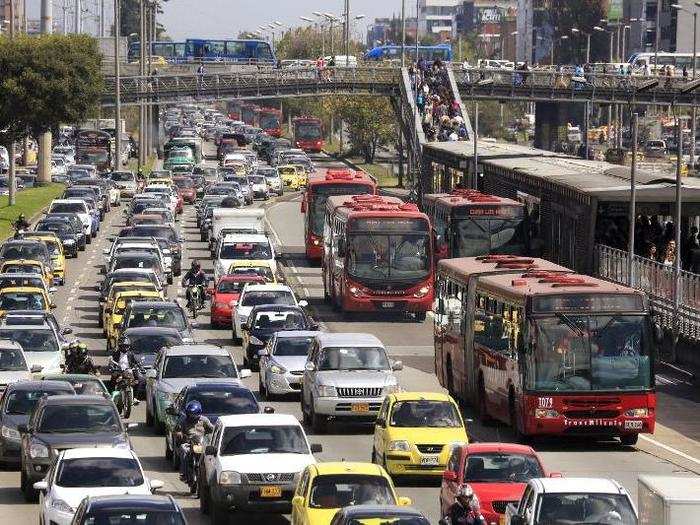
column 388, row 225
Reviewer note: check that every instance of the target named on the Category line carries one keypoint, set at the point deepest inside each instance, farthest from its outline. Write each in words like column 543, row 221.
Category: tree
column 370, row 122
column 47, row 81
column 130, row 19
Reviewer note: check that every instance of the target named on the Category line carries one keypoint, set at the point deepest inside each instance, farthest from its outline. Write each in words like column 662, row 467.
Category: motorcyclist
column 121, row 359
column 195, row 276
column 191, row 428
column 466, row 508
column 77, row 359
column 21, row 224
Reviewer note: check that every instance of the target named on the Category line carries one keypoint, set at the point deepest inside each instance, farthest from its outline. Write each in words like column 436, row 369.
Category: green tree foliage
column 310, row 42
column 130, row 21
column 46, row 81
column 583, row 15
column 370, row 122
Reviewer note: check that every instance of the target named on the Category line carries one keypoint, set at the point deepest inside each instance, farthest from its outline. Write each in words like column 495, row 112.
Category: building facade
column 5, row 16
column 438, row 18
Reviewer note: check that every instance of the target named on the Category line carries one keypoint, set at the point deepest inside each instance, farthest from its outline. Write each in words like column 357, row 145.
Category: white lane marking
column 677, row 369
column 670, row 449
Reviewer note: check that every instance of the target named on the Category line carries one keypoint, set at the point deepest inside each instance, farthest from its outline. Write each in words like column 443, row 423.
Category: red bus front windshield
column 394, row 250
column 318, row 195
column 269, row 122
column 308, row 131
column 476, row 235
column 583, row 353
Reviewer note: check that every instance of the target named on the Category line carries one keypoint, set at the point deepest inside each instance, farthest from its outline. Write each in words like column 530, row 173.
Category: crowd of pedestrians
column 440, row 112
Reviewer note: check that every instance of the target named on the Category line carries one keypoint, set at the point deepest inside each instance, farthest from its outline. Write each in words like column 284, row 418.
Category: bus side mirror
column 303, row 206
column 658, row 333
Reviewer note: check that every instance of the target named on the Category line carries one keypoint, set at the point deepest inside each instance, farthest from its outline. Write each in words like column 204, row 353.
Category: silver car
column 282, row 362
column 346, row 376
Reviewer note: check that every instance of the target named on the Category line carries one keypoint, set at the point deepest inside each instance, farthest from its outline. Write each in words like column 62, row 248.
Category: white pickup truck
column 234, row 220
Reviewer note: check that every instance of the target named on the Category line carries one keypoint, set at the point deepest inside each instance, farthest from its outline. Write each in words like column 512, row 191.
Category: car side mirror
column 210, row 450
column 156, row 484
column 66, row 331
column 52, row 305
column 36, row 369
column 405, row 501
column 303, row 303
column 309, row 366
column 41, row 486
column 170, row 410
column 210, row 291
column 269, row 410
column 244, row 373
column 151, row 373
column 262, row 353
column 658, row 333
column 303, row 206
column 314, row 325
column 449, row 475
column 380, row 422
column 397, row 365
column 555, row 475
column 298, row 501
column 316, row 448
column 22, row 429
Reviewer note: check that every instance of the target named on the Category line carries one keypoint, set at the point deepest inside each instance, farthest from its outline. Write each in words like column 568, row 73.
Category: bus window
column 179, row 51
column 684, row 61
column 235, row 49
column 263, row 51
column 217, row 48
column 164, row 50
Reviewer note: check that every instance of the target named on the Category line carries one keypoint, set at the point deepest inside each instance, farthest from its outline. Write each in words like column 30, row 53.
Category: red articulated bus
column 377, row 255
column 469, row 223
column 270, row 121
column 313, row 205
column 308, row 134
column 550, row 352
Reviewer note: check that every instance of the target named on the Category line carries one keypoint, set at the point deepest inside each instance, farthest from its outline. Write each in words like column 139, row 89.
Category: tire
column 100, row 320
column 629, row 440
column 30, row 494
column 168, row 452
column 218, row 516
column 170, row 279
column 261, row 388
column 88, row 239
column 149, row 417
column 373, row 458
column 128, row 402
column 203, row 497
column 306, row 420
column 518, row 436
column 175, row 462
column 318, row 423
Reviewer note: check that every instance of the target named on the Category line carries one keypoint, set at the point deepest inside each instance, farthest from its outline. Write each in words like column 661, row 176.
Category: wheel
column 629, row 440
column 373, row 458
column 234, row 335
column 261, row 387
column 482, row 409
column 158, row 424
column 170, row 279
column 318, row 422
column 203, row 498
column 100, row 320
column 306, row 420
column 149, row 417
column 176, row 460
column 88, row 239
column 218, row 515
column 128, row 402
column 168, row 452
column 518, row 436
column 30, row 494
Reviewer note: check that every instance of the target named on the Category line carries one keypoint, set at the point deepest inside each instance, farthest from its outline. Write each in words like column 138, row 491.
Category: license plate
column 429, row 460
column 634, row 425
column 388, row 304
column 270, row 492
column 360, row 407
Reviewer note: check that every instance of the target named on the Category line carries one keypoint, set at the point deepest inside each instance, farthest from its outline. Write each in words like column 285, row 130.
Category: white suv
column 77, row 206
column 257, row 294
column 253, row 463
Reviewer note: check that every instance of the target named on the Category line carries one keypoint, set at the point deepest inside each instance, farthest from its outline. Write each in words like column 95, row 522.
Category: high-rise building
column 438, row 18
column 5, row 15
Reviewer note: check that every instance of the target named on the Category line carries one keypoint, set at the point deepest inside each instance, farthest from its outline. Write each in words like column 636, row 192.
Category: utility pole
column 417, row 11
column 78, row 15
column 403, row 33
column 693, row 112
column 677, row 221
column 142, row 73
column 11, row 149
column 657, row 36
column 633, row 202
column 347, row 31
column 44, row 154
column 117, row 89
column 102, row 18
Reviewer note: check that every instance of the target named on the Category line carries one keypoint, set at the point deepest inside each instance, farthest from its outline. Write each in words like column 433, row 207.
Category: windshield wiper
column 571, row 324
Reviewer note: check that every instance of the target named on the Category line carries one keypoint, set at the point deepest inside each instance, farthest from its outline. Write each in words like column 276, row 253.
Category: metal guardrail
column 658, row 282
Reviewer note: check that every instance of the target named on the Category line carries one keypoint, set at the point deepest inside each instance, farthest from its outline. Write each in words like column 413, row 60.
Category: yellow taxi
column 415, row 433
column 58, row 257
column 117, row 288
column 28, row 266
column 324, row 488
column 303, row 174
column 115, row 315
column 24, row 298
column 292, row 176
column 263, row 268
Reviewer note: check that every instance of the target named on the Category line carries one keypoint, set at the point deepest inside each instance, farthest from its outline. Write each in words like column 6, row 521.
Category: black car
column 71, row 240
column 146, row 342
column 16, row 405
column 354, row 514
column 267, row 319
column 217, row 399
column 76, row 224
column 61, row 422
column 165, row 231
column 161, row 314
column 129, row 509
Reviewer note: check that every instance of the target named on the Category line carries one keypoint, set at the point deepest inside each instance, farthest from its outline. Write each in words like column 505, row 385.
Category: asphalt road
column 674, row 449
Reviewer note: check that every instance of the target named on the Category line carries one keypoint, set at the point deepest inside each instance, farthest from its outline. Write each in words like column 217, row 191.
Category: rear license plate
column 634, row 425
column 360, row 407
column 270, row 492
column 429, row 460
column 388, row 304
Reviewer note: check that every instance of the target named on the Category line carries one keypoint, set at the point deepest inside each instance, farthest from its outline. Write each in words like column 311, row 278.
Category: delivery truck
column 668, row 500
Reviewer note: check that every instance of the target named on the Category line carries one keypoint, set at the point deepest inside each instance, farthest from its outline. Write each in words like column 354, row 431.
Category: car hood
column 488, row 492
column 14, row 420
column 356, row 378
column 433, row 435
column 81, row 439
column 291, row 363
column 7, row 377
column 177, row 384
column 73, row 496
column 225, row 297
column 48, row 361
column 262, row 463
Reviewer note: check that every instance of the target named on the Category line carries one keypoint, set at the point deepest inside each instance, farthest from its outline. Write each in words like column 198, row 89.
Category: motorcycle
column 80, row 365
column 195, row 456
column 123, row 391
column 196, row 300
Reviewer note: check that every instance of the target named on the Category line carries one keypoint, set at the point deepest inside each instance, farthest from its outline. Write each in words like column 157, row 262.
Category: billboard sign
column 615, row 10
column 489, row 15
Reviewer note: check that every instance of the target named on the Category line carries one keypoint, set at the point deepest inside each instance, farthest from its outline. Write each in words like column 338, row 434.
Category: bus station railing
column 657, row 280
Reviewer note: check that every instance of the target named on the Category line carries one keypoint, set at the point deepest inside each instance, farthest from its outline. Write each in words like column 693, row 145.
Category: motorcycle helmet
column 465, row 492
column 193, row 408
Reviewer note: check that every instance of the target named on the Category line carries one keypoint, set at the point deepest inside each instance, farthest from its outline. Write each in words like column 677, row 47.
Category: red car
column 186, row 189
column 227, row 291
column 498, row 473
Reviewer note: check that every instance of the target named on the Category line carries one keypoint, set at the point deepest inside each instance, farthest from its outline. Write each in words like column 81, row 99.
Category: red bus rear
column 469, row 223
column 377, row 255
column 270, row 121
column 234, row 110
column 534, row 345
column 313, row 205
column 308, row 134
column 249, row 113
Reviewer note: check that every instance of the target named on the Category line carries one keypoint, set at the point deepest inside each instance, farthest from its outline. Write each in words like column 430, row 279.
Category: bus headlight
column 356, row 291
column 637, row 412
column 422, row 292
column 545, row 413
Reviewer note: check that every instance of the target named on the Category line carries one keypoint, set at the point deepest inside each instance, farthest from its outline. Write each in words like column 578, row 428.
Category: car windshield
column 308, row 131
column 424, row 413
column 320, row 195
column 32, row 340
column 231, row 286
column 22, row 402
column 246, row 251
column 22, row 301
column 23, row 268
column 256, row 179
column 380, row 257
column 123, row 177
column 473, row 237
column 35, row 251
column 261, row 271
column 284, row 439
column 588, row 509
column 137, row 517
column 152, row 343
column 342, row 490
column 266, row 321
column 254, row 298
column 195, row 366
column 68, row 207
column 221, row 402
column 56, row 227
column 10, row 281
column 85, row 386
column 12, row 360
column 146, row 231
column 380, row 519
column 184, row 183
column 293, row 346
column 136, row 261
column 163, row 316
column 501, row 467
column 66, row 418
column 99, row 472
column 354, row 358
column 584, row 353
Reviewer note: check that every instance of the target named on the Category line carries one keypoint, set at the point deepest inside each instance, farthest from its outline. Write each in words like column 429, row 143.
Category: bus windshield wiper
column 571, row 324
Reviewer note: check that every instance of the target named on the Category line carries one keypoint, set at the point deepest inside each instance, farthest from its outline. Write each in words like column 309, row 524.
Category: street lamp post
column 117, row 94
column 693, row 114
column 403, row 33
column 657, row 35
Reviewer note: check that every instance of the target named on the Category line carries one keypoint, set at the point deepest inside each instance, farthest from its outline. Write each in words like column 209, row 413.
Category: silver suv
column 346, row 376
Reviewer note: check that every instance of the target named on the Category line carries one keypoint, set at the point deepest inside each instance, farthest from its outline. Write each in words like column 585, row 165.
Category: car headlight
column 10, row 433
column 243, row 318
column 327, row 391
column 545, row 413
column 276, row 368
column 400, row 445
column 637, row 412
column 390, row 389
column 255, row 341
column 422, row 292
column 69, row 242
column 229, row 478
column 61, row 506
column 37, row 450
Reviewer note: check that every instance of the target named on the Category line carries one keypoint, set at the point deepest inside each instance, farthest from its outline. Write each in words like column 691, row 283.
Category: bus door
column 452, row 340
